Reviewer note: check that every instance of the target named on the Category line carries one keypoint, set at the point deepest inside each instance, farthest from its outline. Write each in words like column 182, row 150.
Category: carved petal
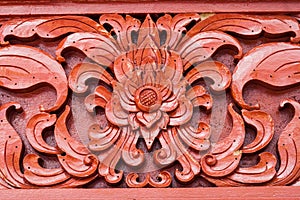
column 100, row 48
column 10, row 150
column 190, row 166
column 167, row 154
column 225, row 155
column 148, row 119
column 115, row 113
column 122, row 28
column 149, row 134
column 288, row 147
column 148, row 54
column 248, row 25
column 84, row 71
column 264, row 125
column 201, row 47
column 126, row 93
column 37, row 175
column 133, row 121
column 175, row 26
column 100, row 98
column 107, row 166
column 19, row 69
column 123, row 68
column 102, row 139
column 213, row 70
column 170, row 104
column 148, row 28
column 34, row 131
column 198, row 96
column 183, row 112
column 130, row 154
column 277, row 64
column 223, row 182
column 173, row 149
column 195, row 138
column 49, row 27
column 173, row 67
column 76, row 159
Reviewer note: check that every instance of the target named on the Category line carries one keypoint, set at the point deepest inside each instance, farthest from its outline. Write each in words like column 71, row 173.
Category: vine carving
column 157, row 84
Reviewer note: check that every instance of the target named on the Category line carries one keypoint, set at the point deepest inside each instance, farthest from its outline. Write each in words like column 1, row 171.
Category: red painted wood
column 19, row 9
column 226, row 193
column 91, row 7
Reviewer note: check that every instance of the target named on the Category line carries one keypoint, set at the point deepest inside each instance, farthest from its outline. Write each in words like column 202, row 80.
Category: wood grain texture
column 72, row 8
column 252, row 193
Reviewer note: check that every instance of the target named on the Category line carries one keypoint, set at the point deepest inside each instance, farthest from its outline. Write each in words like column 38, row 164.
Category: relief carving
column 157, row 87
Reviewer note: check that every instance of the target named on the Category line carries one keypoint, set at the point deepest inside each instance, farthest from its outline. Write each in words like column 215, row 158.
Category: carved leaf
column 288, row 147
column 75, row 182
column 76, row 158
column 263, row 172
column 202, row 46
column 190, row 166
column 123, row 28
column 20, row 70
column 277, row 64
column 48, row 27
column 85, row 71
column 264, row 125
column 175, row 27
column 101, row 139
column 225, row 155
column 54, row 177
column 10, row 150
column 99, row 47
column 249, row 25
column 34, row 132
column 37, row 175
column 164, row 178
column 132, row 180
column 214, row 70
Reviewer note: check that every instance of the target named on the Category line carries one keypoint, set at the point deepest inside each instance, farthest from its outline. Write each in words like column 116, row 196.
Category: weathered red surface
column 150, row 97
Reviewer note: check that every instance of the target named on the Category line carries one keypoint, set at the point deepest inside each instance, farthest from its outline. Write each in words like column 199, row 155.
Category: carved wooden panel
column 150, row 100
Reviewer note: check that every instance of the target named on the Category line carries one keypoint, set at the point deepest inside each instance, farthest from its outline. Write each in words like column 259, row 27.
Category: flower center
column 148, row 99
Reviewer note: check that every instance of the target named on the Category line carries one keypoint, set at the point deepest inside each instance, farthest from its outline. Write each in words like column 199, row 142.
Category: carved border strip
column 247, row 193
column 70, row 8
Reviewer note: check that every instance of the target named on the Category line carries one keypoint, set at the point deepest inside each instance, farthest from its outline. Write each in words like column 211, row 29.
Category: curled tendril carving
column 154, row 78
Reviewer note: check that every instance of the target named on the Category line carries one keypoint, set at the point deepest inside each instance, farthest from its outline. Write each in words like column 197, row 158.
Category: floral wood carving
column 154, row 104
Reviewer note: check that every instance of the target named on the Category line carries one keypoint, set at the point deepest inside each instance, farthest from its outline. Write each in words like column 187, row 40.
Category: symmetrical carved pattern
column 155, row 97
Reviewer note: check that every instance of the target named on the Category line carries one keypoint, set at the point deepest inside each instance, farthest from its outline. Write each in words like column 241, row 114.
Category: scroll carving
column 150, row 90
